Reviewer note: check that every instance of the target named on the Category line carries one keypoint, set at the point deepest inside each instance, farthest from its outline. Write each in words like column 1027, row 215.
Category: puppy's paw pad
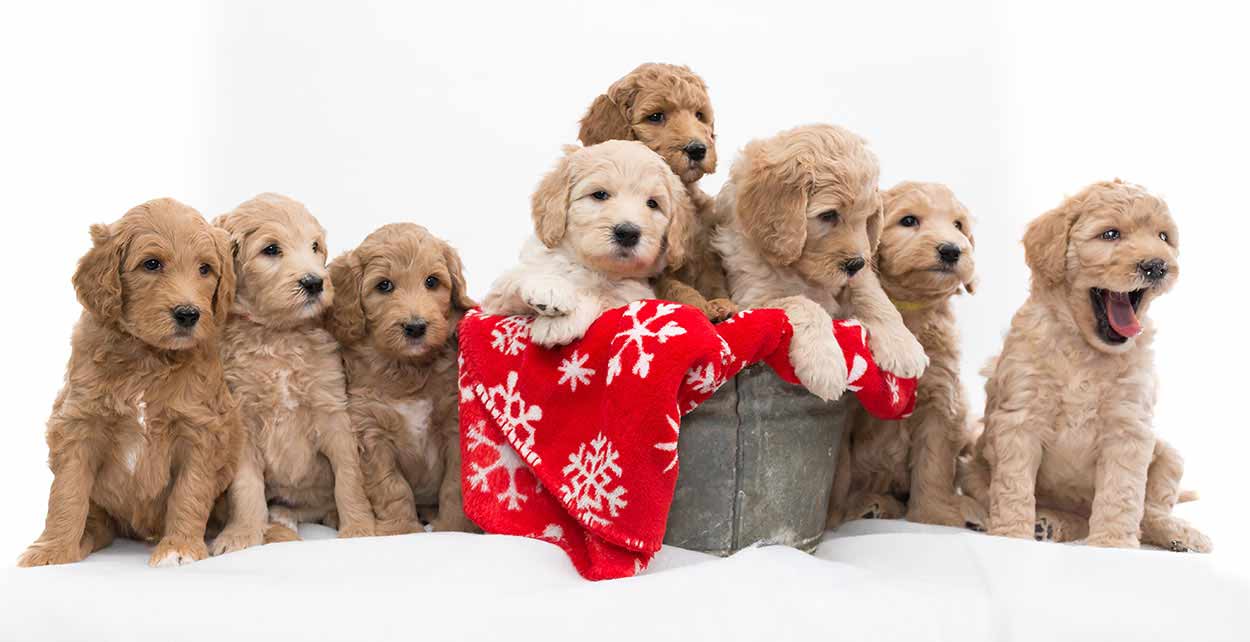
column 973, row 526
column 1043, row 530
column 720, row 310
column 1177, row 546
column 548, row 300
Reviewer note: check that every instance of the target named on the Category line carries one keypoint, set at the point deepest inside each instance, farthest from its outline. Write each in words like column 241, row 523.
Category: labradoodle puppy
column 145, row 435
column 891, row 469
column 666, row 107
column 803, row 218
column 398, row 299
column 1068, row 451
column 606, row 219
column 299, row 460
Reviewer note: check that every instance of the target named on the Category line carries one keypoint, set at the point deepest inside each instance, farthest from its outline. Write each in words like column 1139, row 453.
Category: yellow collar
column 909, row 306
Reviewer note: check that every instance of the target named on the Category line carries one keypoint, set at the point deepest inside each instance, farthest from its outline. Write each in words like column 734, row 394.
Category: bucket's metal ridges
column 734, row 542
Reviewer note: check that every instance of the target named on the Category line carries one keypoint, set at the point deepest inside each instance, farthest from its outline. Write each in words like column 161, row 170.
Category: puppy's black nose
column 312, row 283
column 415, row 329
column 186, row 315
column 626, row 234
column 854, row 265
column 1154, row 269
column 696, row 150
column 949, row 253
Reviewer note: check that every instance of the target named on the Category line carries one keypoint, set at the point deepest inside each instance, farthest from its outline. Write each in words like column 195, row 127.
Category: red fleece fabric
column 577, row 445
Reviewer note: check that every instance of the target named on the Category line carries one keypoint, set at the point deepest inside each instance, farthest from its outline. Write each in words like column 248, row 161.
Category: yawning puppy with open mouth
column 1068, row 449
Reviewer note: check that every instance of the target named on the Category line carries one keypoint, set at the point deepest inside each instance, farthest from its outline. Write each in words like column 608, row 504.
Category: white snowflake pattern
column 591, row 482
column 858, row 366
column 506, row 460
column 737, row 316
column 507, row 336
column 852, row 323
column 892, row 384
column 508, row 407
column 462, row 380
column 638, row 334
column 703, row 379
column 670, row 446
column 574, row 371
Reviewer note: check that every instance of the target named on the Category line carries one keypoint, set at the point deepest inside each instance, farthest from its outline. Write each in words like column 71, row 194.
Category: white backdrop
column 447, row 116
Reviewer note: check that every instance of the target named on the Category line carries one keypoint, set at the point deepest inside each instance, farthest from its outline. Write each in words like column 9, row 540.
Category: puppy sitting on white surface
column 607, row 219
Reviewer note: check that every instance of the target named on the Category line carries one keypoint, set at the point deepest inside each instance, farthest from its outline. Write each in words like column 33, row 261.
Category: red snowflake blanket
column 578, row 445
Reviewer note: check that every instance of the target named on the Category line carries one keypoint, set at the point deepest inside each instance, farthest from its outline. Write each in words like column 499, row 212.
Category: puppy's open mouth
column 1116, row 314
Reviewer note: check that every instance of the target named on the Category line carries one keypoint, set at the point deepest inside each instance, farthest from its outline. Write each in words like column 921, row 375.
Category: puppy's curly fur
column 803, row 219
column 1068, row 450
column 606, row 219
column 666, row 107
column 145, row 435
column 398, row 299
column 889, row 469
column 299, row 460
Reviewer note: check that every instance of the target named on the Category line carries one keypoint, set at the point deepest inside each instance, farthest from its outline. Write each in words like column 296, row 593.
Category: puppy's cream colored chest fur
column 287, row 382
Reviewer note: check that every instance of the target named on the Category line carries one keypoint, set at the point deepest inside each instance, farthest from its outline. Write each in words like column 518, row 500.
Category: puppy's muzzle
column 626, row 235
column 1154, row 270
column 415, row 329
column 186, row 316
column 312, row 285
column 949, row 253
column 851, row 266
column 696, row 150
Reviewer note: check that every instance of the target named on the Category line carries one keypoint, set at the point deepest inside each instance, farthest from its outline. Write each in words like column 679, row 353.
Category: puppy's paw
column 898, row 352
column 880, row 507
column 456, row 524
column 357, row 530
column 548, row 297
column 1043, row 529
column 555, row 331
column 720, row 309
column 958, row 511
column 1113, row 540
column 1018, row 530
column 398, row 527
column 45, row 555
column 818, row 359
column 1176, row 535
column 237, row 538
column 284, row 516
column 177, row 552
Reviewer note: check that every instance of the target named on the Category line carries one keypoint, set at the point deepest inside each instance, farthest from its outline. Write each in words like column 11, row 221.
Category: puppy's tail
column 1187, row 496
column 278, row 533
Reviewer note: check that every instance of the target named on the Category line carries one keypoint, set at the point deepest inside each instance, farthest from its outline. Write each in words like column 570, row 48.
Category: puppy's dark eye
column 205, row 269
column 1111, row 235
column 600, row 195
column 152, row 265
column 1163, row 236
column 699, row 115
column 316, row 247
column 959, row 225
column 912, row 221
column 385, row 286
column 829, row 217
column 271, row 250
column 657, row 117
column 431, row 282
column 652, row 204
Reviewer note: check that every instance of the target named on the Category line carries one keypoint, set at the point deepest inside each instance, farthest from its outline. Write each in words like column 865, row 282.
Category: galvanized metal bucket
column 757, row 465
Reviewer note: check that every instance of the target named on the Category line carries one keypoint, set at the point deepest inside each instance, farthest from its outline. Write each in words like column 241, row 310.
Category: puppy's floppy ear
column 605, row 120
column 98, row 279
column 346, row 320
column 680, row 221
column 772, row 203
column 223, row 296
column 550, row 204
column 875, row 223
column 233, row 225
column 460, row 300
column 1046, row 244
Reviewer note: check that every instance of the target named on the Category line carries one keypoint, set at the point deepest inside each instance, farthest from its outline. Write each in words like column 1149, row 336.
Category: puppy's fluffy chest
column 287, row 382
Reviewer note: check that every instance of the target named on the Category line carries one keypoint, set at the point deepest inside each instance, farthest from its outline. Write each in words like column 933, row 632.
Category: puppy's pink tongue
column 1120, row 313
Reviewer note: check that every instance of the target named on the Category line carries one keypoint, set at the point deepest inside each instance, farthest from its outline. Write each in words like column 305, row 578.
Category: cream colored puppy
column 804, row 218
column 607, row 219
column 1068, row 450
column 299, row 460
